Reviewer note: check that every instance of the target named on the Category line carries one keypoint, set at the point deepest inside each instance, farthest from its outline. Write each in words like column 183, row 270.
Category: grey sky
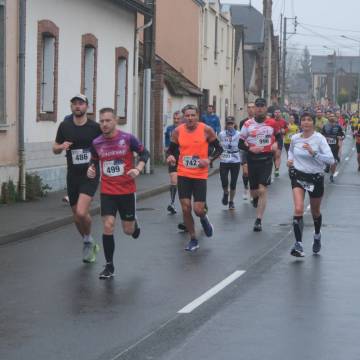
column 315, row 18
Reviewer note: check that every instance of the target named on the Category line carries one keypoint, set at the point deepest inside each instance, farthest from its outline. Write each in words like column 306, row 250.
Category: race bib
column 306, row 186
column 113, row 168
column 80, row 156
column 225, row 156
column 191, row 162
column 262, row 140
column 331, row 141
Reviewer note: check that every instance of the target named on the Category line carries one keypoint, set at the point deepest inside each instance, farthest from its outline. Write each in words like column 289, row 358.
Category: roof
column 249, row 65
column 324, row 64
column 252, row 20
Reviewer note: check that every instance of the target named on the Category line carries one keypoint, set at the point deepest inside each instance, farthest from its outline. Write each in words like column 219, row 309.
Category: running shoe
column 193, row 245
column 255, row 202
column 225, row 199
column 332, row 179
column 208, row 228
column 297, row 250
column 317, row 243
column 89, row 252
column 231, row 205
column 257, row 225
column 137, row 230
column 276, row 173
column 327, row 169
column 182, row 227
column 171, row 209
column 359, row 168
column 108, row 272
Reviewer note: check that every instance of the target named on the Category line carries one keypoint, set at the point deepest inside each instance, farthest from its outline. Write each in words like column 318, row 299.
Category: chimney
column 267, row 9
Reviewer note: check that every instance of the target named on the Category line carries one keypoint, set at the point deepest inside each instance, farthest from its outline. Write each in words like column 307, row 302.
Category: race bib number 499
column 113, row 168
column 80, row 156
column 191, row 162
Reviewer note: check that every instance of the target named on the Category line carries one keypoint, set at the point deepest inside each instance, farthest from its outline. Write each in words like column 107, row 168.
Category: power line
column 331, row 28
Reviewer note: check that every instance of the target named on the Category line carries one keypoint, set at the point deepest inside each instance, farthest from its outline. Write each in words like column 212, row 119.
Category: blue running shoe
column 208, row 228
column 297, row 250
column 193, row 245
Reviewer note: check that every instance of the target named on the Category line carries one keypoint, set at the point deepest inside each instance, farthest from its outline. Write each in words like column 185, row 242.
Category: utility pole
column 267, row 10
column 149, row 57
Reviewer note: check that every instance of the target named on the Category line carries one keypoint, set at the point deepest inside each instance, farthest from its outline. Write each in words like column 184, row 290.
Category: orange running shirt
column 193, row 145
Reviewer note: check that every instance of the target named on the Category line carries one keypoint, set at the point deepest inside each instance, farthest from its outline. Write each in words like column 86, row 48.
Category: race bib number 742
column 191, row 162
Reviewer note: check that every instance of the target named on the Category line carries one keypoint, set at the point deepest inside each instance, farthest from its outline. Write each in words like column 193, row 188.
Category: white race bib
column 306, row 186
column 191, row 162
column 113, row 168
column 225, row 156
column 263, row 140
column 80, row 156
column 331, row 141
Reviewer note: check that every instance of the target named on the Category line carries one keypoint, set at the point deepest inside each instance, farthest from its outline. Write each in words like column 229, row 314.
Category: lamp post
column 334, row 74
column 358, row 82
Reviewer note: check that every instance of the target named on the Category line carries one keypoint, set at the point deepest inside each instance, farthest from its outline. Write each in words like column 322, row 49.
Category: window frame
column 121, row 53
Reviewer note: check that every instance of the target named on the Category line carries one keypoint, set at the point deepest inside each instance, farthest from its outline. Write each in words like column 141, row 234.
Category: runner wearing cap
column 230, row 160
column 258, row 138
column 74, row 136
column 282, row 128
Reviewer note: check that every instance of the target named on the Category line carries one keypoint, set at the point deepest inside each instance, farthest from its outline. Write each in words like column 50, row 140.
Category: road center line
column 212, row 292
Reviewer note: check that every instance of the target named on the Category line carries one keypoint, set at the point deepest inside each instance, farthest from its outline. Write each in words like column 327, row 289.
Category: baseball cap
column 229, row 120
column 80, row 97
column 260, row 102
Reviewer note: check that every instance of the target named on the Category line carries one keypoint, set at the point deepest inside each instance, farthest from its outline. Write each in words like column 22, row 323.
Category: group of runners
column 100, row 152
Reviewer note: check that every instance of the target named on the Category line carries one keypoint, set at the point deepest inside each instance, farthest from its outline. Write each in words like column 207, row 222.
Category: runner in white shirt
column 309, row 153
column 230, row 161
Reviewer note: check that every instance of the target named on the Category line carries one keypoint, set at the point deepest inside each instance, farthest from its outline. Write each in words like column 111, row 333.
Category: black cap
column 230, row 120
column 260, row 102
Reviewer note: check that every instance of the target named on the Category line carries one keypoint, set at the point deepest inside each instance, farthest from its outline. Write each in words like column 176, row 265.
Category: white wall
column 111, row 24
column 239, row 105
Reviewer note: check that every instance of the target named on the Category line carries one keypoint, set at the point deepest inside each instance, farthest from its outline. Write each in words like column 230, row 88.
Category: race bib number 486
column 191, row 162
column 80, row 156
column 113, row 168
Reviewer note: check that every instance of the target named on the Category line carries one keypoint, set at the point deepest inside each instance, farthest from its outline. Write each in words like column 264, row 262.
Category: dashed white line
column 212, row 292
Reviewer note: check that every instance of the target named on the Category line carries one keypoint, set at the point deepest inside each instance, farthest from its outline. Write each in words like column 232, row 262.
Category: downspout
column 21, row 98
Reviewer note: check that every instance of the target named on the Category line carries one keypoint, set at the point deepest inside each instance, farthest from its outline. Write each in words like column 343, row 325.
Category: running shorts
column 190, row 187
column 124, row 204
column 260, row 172
column 312, row 183
column 80, row 184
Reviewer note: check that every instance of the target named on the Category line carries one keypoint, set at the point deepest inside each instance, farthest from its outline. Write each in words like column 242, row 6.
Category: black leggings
column 234, row 169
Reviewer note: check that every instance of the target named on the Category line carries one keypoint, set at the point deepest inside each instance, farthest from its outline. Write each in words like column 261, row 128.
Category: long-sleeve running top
column 302, row 159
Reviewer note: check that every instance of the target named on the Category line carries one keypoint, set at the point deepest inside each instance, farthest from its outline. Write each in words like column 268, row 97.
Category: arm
column 173, row 149
column 218, row 125
column 214, row 142
column 290, row 161
column 60, row 144
column 143, row 153
column 325, row 154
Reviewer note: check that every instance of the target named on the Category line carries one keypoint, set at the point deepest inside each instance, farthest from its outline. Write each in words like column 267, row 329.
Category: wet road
column 54, row 307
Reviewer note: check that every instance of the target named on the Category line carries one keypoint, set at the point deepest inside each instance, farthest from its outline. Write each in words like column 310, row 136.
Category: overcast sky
column 321, row 23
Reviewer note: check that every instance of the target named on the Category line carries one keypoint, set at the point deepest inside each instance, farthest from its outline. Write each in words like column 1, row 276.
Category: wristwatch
column 314, row 154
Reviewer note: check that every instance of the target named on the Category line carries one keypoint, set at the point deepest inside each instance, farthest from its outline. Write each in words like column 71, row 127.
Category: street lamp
column 334, row 74
column 358, row 82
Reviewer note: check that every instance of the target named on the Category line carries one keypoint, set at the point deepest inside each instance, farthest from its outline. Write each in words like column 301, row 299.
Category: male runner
column 282, row 128
column 172, row 168
column 191, row 140
column 258, row 138
column 114, row 151
column 357, row 139
column 320, row 120
column 74, row 136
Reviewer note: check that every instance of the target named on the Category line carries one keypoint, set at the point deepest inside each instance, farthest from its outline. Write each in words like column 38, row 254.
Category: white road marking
column 336, row 174
column 212, row 292
column 347, row 158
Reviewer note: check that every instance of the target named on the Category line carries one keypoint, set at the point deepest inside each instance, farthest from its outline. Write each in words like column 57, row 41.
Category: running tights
column 234, row 170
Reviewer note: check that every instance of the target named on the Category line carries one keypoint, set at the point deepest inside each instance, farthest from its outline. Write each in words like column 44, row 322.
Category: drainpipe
column 21, row 98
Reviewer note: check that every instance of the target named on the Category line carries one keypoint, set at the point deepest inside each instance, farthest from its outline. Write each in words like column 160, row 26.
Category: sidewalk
column 22, row 220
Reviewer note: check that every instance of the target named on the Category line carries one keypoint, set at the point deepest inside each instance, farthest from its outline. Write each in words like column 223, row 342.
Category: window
column 89, row 45
column 47, row 71
column 121, row 84
column 2, row 63
column 216, row 38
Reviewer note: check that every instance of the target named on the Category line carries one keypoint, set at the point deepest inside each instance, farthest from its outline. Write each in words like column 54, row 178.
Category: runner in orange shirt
column 191, row 141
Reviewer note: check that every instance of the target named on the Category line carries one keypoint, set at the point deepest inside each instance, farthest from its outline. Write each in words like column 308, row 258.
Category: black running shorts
column 315, row 189
column 260, row 172
column 124, row 204
column 80, row 184
column 189, row 187
column 358, row 148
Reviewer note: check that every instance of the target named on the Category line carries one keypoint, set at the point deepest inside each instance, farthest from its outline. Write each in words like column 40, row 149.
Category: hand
column 171, row 160
column 307, row 147
column 91, row 172
column 290, row 163
column 66, row 145
column 204, row 163
column 256, row 149
column 133, row 173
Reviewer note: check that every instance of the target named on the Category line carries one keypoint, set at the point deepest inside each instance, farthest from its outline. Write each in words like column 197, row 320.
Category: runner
column 357, row 139
column 320, row 120
column 192, row 141
column 282, row 128
column 334, row 136
column 172, row 169
column 74, row 136
column 258, row 138
column 230, row 160
column 114, row 151
column 354, row 122
column 292, row 130
column 308, row 154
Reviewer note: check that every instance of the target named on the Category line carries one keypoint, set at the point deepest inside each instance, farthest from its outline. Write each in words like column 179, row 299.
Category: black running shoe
column 171, row 209
column 136, row 232
column 255, row 202
column 231, row 205
column 207, row 226
column 317, row 243
column 108, row 272
column 225, row 199
column 257, row 225
column 182, row 227
column 297, row 250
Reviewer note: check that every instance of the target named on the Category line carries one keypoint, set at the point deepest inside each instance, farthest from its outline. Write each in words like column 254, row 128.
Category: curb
column 66, row 220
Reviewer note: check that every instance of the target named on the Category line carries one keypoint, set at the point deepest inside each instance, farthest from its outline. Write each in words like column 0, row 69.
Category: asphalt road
column 54, row 307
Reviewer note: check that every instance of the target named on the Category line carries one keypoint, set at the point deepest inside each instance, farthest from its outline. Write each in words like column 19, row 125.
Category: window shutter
column 121, row 90
column 48, row 79
column 89, row 76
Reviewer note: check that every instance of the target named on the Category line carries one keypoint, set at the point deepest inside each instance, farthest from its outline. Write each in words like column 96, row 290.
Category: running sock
column 245, row 181
column 317, row 224
column 88, row 239
column 298, row 225
column 173, row 189
column 109, row 246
